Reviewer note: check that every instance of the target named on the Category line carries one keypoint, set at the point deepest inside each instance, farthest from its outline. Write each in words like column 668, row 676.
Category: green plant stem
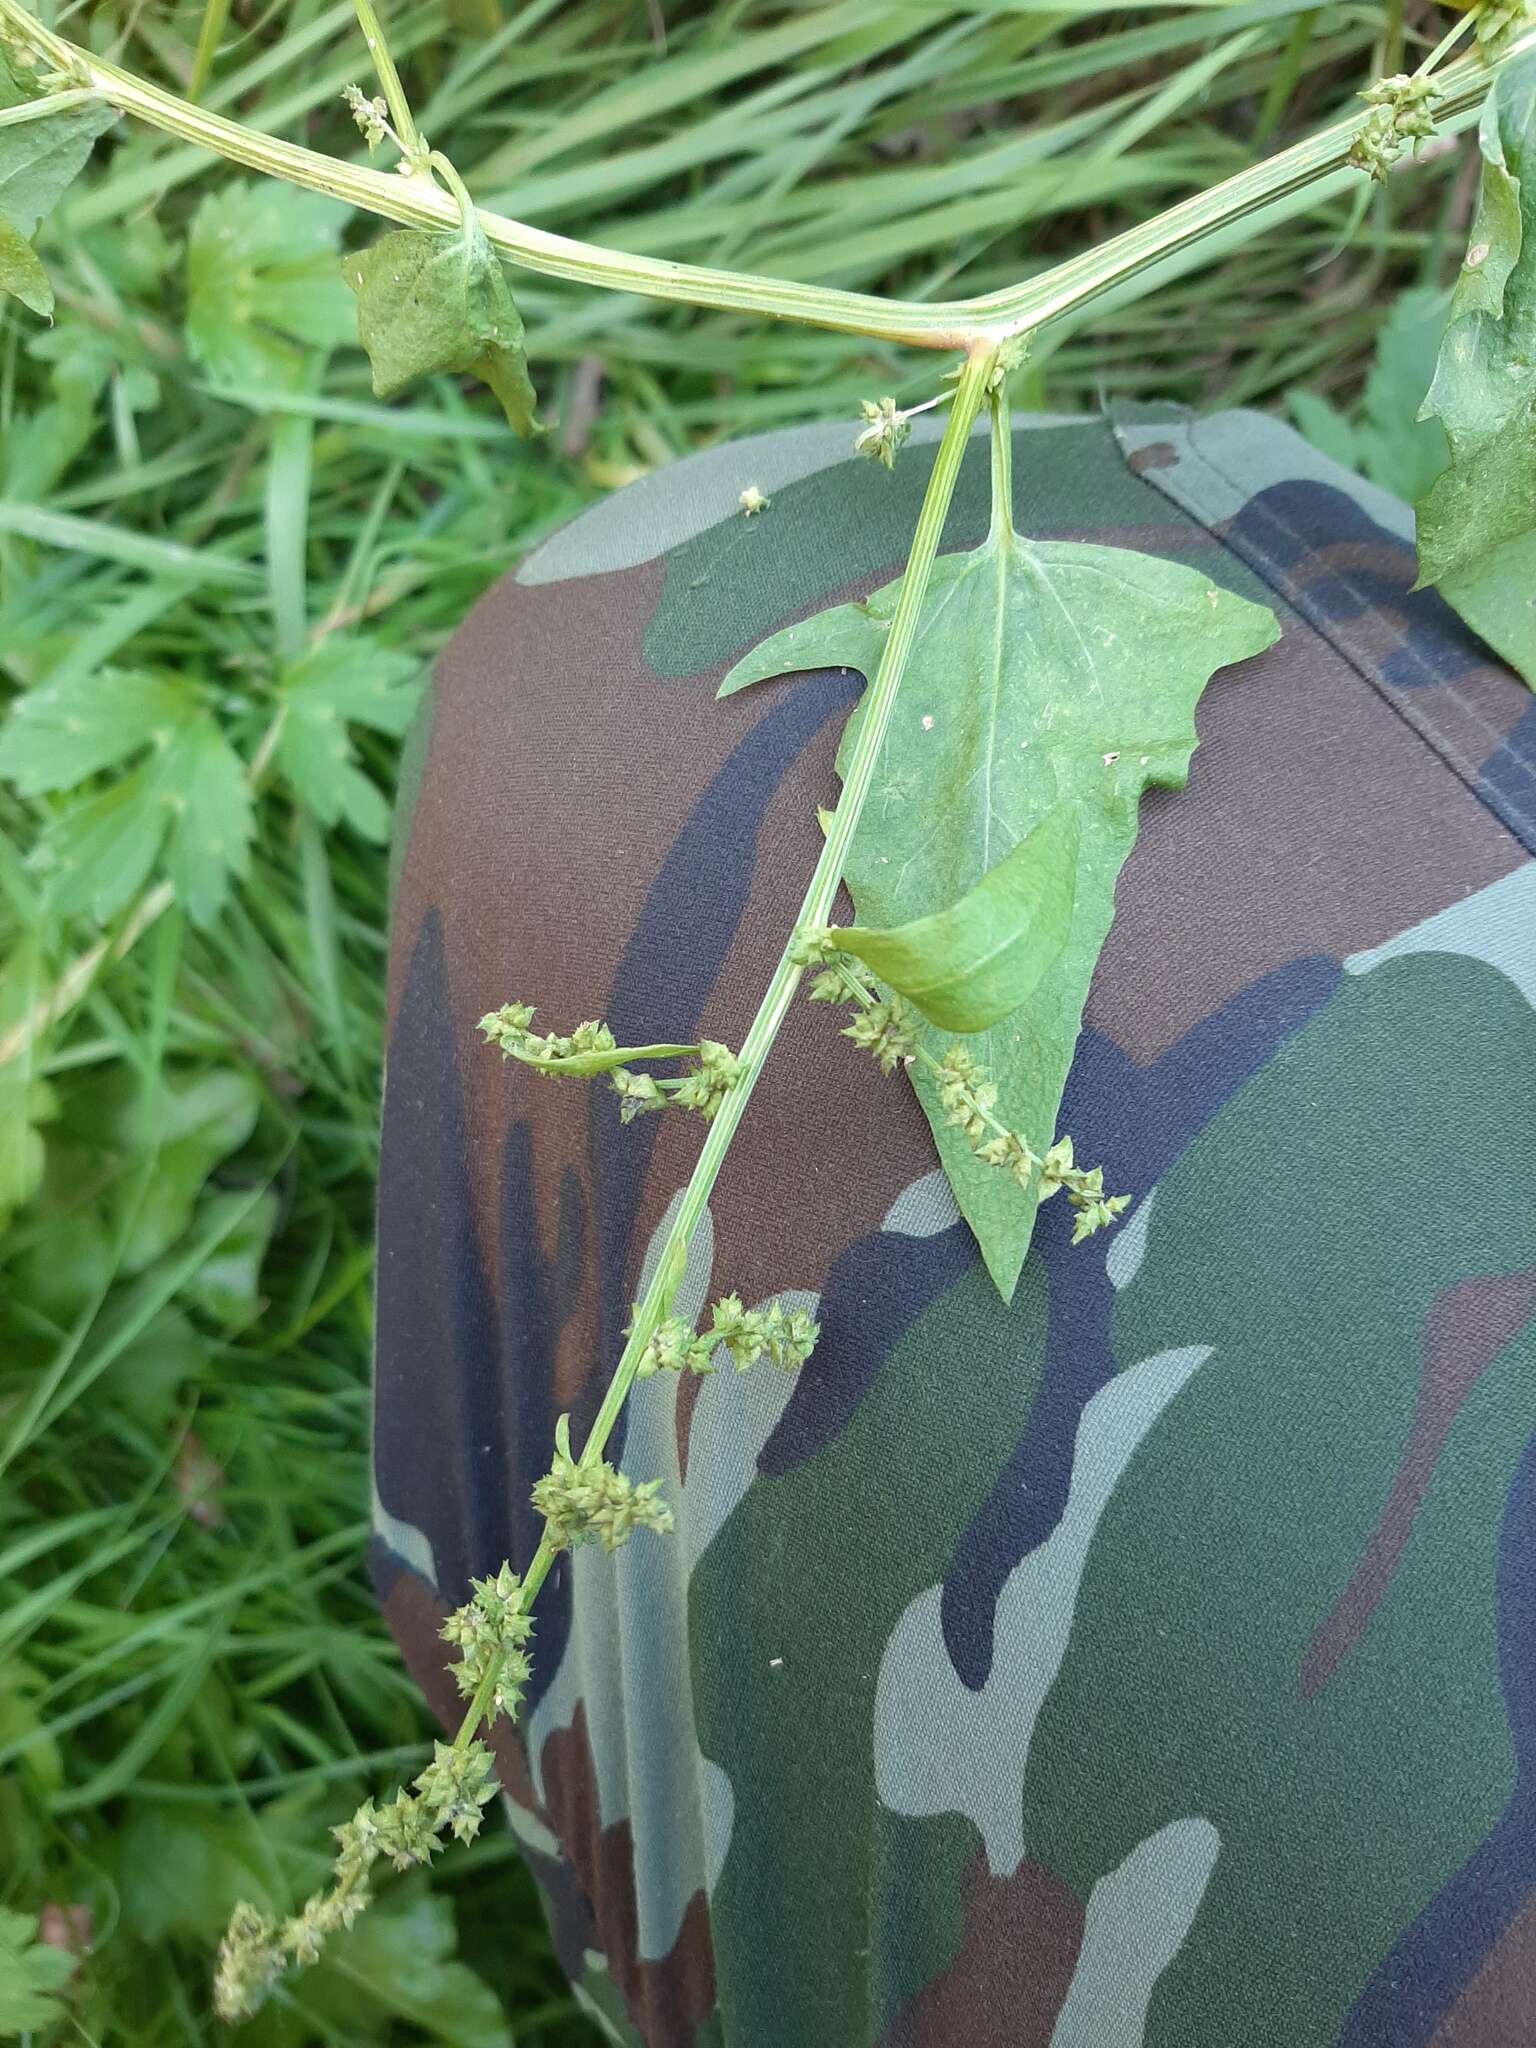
column 1446, row 44
column 50, row 103
column 406, row 131
column 958, row 323
column 814, row 911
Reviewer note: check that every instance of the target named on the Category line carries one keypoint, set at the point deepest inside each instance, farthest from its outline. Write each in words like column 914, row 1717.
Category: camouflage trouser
column 1152, row 1660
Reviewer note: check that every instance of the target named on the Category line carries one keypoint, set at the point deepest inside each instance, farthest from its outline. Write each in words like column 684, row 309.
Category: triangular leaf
column 429, row 303
column 1477, row 522
column 971, row 965
column 1044, row 676
column 341, row 682
column 40, row 159
column 22, row 275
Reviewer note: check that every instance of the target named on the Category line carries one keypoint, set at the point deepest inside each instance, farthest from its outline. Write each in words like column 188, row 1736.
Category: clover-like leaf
column 430, row 303
column 1477, row 521
column 261, row 283
column 972, row 964
column 1047, row 680
column 60, row 734
column 187, row 802
column 341, row 682
column 32, row 1973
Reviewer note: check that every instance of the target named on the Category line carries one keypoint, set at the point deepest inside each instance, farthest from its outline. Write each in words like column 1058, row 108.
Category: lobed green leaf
column 60, row 734
column 261, row 284
column 188, row 801
column 31, row 1976
column 343, row 681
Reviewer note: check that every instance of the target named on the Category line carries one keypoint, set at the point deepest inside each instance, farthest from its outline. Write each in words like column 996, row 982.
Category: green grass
column 193, row 1681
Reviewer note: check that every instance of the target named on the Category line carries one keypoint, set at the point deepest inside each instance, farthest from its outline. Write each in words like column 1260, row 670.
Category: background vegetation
column 233, row 566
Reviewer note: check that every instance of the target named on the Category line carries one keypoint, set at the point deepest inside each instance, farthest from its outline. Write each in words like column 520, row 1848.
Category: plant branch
column 406, row 131
column 654, row 1305
column 958, row 323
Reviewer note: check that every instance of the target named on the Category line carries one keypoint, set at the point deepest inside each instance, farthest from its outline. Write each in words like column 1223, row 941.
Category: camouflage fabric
column 1150, row 1663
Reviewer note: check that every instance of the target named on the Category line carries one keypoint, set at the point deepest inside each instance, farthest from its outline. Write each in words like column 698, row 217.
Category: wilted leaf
column 971, row 965
column 1045, row 678
column 441, row 302
column 343, row 682
column 1477, row 522
column 261, row 283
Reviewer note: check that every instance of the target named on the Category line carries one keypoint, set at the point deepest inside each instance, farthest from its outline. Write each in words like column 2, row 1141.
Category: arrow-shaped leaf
column 22, row 275
column 973, row 964
column 1046, row 678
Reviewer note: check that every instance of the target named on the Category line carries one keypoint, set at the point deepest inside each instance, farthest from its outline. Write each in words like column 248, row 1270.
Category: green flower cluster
column 702, row 1088
column 968, row 1095
column 1498, row 20
column 371, row 115
column 508, row 1029
column 785, row 1337
column 595, row 1503
column 592, row 1049
column 884, row 1027
column 1402, row 114
column 885, row 433
column 446, row 1799
column 489, row 1631
column 884, row 1031
column 967, row 1092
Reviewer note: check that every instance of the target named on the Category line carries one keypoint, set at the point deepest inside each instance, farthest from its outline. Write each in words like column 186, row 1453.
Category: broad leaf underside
column 1044, row 675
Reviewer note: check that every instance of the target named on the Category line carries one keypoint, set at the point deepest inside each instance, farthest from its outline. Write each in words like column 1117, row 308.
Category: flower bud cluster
column 595, row 1503
column 785, row 1337
column 1402, row 115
